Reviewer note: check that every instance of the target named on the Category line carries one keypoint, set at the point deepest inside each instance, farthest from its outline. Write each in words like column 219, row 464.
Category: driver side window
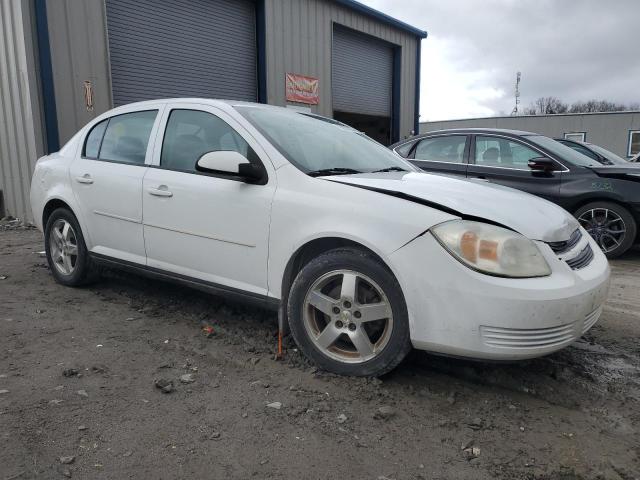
column 500, row 152
column 191, row 133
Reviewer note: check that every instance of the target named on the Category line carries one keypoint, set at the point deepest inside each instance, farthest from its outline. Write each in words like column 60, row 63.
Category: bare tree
column 546, row 106
column 592, row 106
column 551, row 105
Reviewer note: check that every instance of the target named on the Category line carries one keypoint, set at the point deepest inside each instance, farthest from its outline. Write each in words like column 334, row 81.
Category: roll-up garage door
column 182, row 48
column 362, row 73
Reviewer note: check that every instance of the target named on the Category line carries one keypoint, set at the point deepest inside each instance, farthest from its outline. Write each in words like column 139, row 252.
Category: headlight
column 490, row 249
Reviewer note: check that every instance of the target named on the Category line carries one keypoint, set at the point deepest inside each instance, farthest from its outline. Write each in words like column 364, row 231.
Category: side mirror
column 228, row 162
column 542, row 164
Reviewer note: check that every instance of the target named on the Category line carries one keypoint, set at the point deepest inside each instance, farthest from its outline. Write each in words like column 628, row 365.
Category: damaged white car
column 365, row 256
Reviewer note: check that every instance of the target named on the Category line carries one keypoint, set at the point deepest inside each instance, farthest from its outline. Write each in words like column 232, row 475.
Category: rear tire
column 348, row 315
column 66, row 250
column 611, row 226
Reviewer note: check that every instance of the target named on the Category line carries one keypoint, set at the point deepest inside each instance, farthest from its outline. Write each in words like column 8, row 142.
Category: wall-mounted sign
column 301, row 89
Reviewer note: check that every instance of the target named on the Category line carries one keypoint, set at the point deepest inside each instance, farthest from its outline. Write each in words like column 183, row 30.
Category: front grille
column 582, row 259
column 562, row 247
column 528, row 338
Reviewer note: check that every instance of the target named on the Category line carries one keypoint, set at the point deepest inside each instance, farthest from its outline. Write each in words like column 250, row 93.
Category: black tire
column 629, row 224
column 84, row 271
column 398, row 344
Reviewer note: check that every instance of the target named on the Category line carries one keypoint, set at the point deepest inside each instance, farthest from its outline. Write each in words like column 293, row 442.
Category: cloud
column 574, row 50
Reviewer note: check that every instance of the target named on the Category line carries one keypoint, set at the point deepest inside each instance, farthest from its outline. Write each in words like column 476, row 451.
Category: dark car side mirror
column 542, row 164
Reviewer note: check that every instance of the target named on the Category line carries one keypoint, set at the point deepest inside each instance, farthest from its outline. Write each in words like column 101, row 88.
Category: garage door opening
column 376, row 127
column 362, row 77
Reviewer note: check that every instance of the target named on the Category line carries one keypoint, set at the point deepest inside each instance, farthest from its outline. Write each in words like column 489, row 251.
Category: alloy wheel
column 63, row 246
column 348, row 316
column 605, row 226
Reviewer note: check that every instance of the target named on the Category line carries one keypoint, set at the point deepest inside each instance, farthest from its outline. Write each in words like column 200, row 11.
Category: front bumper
column 457, row 311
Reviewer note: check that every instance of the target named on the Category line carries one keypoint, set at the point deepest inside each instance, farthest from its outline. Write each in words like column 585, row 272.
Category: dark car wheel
column 66, row 251
column 610, row 224
column 348, row 315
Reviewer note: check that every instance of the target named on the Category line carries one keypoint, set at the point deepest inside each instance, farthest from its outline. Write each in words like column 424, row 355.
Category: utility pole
column 517, row 94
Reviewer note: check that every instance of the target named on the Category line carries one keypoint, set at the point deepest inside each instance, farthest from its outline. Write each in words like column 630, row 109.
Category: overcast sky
column 574, row 50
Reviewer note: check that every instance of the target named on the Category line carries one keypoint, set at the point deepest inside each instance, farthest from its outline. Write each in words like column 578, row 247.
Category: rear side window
column 191, row 133
column 442, row 149
column 94, row 139
column 123, row 138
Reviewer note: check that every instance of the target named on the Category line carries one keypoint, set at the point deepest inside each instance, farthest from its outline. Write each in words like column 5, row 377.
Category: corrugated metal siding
column 21, row 141
column 609, row 130
column 78, row 46
column 362, row 73
column 299, row 40
column 182, row 48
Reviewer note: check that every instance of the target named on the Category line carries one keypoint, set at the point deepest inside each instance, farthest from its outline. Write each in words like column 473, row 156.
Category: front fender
column 318, row 208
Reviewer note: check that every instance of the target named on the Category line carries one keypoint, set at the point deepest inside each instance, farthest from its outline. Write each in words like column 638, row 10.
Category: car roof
column 470, row 130
column 505, row 131
column 202, row 101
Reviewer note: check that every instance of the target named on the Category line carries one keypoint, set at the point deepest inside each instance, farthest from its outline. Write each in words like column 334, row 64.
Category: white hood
column 527, row 214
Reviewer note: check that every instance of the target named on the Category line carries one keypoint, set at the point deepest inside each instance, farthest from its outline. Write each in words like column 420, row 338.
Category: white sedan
column 365, row 256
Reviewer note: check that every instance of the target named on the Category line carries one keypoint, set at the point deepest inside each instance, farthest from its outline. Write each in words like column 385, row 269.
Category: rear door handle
column 161, row 191
column 86, row 179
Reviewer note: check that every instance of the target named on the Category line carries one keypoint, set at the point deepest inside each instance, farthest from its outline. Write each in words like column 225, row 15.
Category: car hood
column 628, row 172
column 527, row 214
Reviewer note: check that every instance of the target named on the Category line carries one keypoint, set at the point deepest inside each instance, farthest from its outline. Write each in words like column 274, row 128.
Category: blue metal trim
column 46, row 78
column 631, row 132
column 382, row 17
column 416, row 108
column 395, row 95
column 261, row 50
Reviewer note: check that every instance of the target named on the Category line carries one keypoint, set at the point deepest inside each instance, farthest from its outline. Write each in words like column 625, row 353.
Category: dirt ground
column 572, row 415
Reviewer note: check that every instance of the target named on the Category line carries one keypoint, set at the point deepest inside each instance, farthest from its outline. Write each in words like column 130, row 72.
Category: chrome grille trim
column 563, row 247
column 582, row 259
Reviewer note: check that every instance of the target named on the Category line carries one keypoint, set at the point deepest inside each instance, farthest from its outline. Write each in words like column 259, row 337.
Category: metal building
column 63, row 62
column 618, row 132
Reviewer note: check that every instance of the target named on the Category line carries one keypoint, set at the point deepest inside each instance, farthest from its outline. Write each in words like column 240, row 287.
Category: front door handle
column 161, row 191
column 86, row 179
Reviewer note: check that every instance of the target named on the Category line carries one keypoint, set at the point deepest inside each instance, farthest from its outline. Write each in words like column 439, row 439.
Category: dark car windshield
column 563, row 152
column 612, row 157
column 321, row 145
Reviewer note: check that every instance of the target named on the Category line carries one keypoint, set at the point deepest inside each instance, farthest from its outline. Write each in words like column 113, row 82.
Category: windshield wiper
column 390, row 169
column 332, row 171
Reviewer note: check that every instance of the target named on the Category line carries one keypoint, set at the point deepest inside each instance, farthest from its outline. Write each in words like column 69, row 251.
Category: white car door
column 211, row 227
column 106, row 178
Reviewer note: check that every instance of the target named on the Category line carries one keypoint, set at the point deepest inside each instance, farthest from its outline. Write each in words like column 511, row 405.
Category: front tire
column 66, row 250
column 611, row 226
column 348, row 315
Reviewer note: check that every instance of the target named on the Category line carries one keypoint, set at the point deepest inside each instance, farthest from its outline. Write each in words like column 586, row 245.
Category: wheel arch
column 51, row 205
column 57, row 201
column 311, row 249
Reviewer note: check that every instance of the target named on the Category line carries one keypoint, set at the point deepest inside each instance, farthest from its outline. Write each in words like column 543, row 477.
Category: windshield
column 313, row 143
column 563, row 152
column 612, row 157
